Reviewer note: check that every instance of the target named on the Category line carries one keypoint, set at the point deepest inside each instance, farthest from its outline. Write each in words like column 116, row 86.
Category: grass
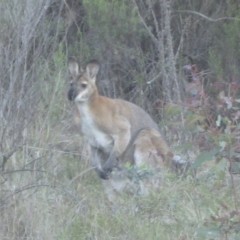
column 50, row 192
column 67, row 201
column 180, row 209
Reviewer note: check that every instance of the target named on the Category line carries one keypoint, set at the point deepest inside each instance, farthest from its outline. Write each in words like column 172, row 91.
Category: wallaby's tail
column 151, row 149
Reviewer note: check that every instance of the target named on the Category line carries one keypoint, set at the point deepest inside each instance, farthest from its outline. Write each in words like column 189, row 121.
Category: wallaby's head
column 82, row 84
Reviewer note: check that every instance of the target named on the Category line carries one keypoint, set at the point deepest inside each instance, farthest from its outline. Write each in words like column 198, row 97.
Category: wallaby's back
column 138, row 118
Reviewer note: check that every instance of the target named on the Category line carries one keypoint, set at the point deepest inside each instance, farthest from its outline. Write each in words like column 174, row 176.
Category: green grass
column 180, row 209
column 69, row 203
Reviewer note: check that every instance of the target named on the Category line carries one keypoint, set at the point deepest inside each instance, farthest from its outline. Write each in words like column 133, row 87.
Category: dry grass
column 49, row 191
column 66, row 201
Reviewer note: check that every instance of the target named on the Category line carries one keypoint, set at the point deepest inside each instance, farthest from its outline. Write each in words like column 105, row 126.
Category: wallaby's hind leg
column 151, row 153
column 150, row 149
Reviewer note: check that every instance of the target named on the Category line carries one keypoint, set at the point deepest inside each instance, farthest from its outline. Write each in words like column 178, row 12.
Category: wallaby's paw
column 103, row 175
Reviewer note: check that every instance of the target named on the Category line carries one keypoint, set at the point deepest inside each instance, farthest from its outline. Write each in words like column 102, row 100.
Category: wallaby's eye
column 83, row 85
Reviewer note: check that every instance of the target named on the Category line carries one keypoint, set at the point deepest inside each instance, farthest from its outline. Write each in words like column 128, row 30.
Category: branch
column 154, row 79
column 208, row 18
column 6, row 156
column 155, row 40
column 184, row 31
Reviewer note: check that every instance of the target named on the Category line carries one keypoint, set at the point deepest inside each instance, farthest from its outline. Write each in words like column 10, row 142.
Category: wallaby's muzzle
column 72, row 93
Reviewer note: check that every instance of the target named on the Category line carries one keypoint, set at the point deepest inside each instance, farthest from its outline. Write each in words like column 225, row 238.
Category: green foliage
column 177, row 210
column 52, row 89
column 224, row 56
column 80, row 48
column 172, row 110
column 108, row 19
column 215, row 60
column 140, row 173
column 204, row 156
column 108, row 29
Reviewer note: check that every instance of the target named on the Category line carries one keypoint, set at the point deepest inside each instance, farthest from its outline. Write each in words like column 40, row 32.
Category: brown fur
column 117, row 131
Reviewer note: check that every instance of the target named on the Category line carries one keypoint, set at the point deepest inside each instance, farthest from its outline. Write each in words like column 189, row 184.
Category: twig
column 54, row 150
column 80, row 174
column 34, row 186
column 154, row 79
column 232, row 181
column 184, row 31
column 155, row 40
column 6, row 156
column 206, row 17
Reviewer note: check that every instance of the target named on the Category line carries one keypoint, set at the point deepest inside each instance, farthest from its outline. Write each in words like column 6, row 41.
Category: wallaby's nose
column 72, row 93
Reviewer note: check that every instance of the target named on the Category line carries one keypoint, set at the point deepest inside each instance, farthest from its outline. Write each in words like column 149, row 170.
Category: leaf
column 212, row 231
column 222, row 144
column 127, row 165
column 218, row 122
column 193, row 119
column 204, row 156
column 172, row 110
column 229, row 103
column 236, row 167
column 221, row 95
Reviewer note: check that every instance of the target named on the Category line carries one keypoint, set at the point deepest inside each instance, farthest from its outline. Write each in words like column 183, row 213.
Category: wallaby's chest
column 92, row 131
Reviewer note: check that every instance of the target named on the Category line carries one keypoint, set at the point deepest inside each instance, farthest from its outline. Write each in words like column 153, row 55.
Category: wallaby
column 117, row 131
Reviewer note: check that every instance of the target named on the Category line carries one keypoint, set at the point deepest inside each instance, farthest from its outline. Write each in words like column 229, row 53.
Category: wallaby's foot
column 110, row 164
column 103, row 175
column 108, row 168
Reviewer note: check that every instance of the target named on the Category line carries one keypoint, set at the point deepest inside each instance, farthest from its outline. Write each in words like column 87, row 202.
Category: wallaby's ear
column 73, row 67
column 92, row 68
